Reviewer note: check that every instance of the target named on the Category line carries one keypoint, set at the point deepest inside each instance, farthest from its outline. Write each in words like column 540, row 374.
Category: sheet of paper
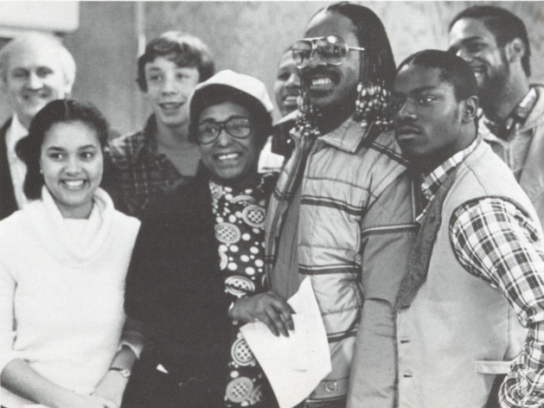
column 296, row 364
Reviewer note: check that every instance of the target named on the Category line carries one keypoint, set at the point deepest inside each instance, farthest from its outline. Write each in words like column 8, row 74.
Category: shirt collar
column 347, row 137
column 15, row 133
column 526, row 105
column 518, row 116
column 434, row 180
column 147, row 141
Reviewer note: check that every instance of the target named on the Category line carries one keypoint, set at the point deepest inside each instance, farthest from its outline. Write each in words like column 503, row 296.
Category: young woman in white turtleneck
column 64, row 340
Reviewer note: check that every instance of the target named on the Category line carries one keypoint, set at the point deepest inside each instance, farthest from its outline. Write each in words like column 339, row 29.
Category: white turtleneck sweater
column 62, row 290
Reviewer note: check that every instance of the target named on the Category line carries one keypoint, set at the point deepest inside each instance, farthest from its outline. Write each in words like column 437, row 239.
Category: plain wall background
column 248, row 37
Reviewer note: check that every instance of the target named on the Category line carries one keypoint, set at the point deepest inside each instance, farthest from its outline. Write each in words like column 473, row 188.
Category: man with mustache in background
column 286, row 93
column 287, row 84
column 495, row 44
column 342, row 213
column 161, row 155
column 475, row 272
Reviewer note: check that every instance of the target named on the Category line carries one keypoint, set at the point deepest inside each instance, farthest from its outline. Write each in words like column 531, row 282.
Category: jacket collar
column 347, row 137
column 536, row 116
column 532, row 176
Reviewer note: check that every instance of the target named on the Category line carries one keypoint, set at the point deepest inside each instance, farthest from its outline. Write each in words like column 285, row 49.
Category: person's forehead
column 223, row 111
column 168, row 61
column 332, row 23
column 470, row 28
column 415, row 78
column 35, row 55
column 74, row 135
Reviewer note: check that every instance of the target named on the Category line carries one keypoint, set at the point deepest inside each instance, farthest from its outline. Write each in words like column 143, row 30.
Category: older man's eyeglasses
column 239, row 128
column 331, row 49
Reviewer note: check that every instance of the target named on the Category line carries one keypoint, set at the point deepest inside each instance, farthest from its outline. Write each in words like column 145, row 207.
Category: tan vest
column 458, row 332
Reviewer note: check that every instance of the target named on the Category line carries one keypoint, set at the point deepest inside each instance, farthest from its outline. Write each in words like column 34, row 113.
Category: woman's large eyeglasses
column 239, row 128
column 331, row 49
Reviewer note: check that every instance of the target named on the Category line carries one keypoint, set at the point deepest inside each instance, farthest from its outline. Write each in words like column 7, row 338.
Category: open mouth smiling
column 74, row 185
column 171, row 105
column 224, row 157
column 320, row 79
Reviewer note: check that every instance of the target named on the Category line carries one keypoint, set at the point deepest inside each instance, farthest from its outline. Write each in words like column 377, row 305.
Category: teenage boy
column 161, row 155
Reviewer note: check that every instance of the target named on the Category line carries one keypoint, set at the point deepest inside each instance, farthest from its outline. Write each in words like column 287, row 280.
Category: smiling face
column 168, row 89
column 34, row 78
column 228, row 158
column 287, row 85
column 471, row 40
column 428, row 121
column 332, row 86
column 72, row 164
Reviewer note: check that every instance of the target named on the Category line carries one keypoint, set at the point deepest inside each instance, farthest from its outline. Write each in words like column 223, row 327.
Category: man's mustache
column 406, row 127
column 308, row 73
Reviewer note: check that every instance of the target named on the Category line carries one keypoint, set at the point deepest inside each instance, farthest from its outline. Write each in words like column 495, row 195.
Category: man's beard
column 494, row 82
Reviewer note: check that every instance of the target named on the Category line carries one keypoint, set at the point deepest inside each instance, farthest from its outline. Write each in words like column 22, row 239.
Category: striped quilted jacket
column 355, row 223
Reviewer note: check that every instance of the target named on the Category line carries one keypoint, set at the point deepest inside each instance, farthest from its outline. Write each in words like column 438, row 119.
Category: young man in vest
column 35, row 69
column 495, row 44
column 476, row 268
column 341, row 213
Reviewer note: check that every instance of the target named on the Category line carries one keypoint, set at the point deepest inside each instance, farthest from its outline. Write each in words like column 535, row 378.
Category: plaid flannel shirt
column 139, row 170
column 495, row 238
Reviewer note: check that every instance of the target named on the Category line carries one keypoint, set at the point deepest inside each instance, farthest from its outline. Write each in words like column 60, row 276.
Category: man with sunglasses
column 342, row 212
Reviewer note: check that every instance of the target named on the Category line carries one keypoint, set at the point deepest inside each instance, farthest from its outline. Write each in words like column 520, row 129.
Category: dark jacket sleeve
column 8, row 203
column 175, row 289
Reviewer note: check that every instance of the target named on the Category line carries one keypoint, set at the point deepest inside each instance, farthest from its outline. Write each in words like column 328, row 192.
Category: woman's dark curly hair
column 59, row 111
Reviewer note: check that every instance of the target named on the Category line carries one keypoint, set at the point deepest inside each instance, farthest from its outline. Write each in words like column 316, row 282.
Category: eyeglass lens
column 331, row 49
column 239, row 128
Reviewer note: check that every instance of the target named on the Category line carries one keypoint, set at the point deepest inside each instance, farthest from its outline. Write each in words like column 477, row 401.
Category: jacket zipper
column 288, row 186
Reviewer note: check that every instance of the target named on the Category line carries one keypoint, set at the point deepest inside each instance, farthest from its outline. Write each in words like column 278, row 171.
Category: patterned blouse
column 239, row 229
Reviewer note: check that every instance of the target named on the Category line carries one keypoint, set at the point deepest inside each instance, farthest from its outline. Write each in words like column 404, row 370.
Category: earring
column 373, row 104
column 41, row 171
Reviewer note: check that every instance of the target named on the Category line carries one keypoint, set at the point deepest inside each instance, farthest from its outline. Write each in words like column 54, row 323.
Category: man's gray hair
column 36, row 39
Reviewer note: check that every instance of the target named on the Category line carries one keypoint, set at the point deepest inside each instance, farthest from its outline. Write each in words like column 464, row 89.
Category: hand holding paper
column 268, row 308
column 296, row 364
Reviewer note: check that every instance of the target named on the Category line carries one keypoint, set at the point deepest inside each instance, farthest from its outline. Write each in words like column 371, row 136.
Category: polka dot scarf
column 239, row 230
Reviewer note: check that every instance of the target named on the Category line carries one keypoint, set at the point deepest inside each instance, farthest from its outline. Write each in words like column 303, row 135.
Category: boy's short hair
column 453, row 70
column 183, row 49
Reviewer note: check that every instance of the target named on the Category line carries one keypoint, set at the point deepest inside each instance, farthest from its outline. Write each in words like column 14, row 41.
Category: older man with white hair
column 35, row 68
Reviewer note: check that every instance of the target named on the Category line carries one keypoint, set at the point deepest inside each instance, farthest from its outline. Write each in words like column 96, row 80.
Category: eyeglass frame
column 314, row 40
column 223, row 126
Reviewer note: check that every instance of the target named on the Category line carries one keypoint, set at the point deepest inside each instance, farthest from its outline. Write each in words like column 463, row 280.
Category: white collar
column 46, row 220
column 15, row 133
